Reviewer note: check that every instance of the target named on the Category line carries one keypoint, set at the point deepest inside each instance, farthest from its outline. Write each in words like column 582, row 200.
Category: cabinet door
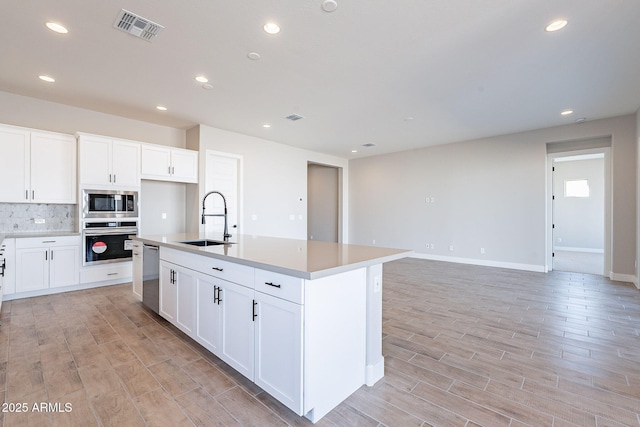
column 32, row 269
column 209, row 314
column 168, row 292
column 53, row 168
column 278, row 344
column 238, row 327
column 187, row 306
column 14, row 172
column 156, row 162
column 95, row 160
column 64, row 266
column 184, row 165
column 126, row 163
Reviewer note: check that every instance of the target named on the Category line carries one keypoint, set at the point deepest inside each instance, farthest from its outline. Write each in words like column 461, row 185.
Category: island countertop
column 306, row 259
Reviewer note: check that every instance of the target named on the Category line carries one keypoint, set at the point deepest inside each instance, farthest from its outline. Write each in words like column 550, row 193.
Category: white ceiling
column 460, row 69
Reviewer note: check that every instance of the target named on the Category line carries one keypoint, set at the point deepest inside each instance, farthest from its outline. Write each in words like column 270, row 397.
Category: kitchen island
column 302, row 319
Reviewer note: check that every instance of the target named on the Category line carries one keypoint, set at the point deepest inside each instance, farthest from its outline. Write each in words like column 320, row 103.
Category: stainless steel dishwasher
column 151, row 277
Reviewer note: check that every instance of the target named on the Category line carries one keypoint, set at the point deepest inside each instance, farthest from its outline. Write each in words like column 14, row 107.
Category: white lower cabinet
column 237, row 338
column 47, row 263
column 286, row 334
column 178, row 296
column 168, row 292
column 278, row 349
column 209, row 313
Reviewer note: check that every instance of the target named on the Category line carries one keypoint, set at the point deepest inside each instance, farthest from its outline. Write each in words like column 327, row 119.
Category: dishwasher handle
column 150, row 247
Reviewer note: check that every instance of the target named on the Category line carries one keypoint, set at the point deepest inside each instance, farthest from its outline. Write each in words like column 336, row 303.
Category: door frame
column 339, row 196
column 607, row 205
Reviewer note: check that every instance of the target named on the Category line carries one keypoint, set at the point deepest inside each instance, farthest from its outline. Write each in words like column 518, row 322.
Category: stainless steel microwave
column 109, row 204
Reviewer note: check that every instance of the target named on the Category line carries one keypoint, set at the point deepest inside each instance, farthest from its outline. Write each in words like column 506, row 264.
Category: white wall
column 274, row 178
column 488, row 193
column 38, row 114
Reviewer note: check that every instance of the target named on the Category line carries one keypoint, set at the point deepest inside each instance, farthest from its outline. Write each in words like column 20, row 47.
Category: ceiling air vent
column 137, row 26
column 294, row 117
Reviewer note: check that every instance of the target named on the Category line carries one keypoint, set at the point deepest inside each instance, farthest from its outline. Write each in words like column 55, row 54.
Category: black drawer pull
column 216, row 268
column 275, row 285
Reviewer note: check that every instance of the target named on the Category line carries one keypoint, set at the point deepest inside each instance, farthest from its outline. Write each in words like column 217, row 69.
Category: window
column 576, row 188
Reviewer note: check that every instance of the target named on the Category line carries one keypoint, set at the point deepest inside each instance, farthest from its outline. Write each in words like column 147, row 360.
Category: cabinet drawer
column 119, row 271
column 279, row 285
column 46, row 242
column 237, row 273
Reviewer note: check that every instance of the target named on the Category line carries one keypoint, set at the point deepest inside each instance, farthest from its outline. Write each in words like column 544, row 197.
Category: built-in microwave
column 109, row 204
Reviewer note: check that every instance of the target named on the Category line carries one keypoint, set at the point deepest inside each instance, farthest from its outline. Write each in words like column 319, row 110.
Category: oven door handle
column 102, row 231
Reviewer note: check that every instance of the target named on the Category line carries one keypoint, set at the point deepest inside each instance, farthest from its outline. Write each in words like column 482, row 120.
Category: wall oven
column 109, row 204
column 108, row 241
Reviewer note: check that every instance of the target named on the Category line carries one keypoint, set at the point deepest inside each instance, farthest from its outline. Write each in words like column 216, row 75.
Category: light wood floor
column 463, row 346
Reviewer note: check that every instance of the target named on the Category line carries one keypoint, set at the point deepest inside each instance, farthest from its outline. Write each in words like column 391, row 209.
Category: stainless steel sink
column 206, row 242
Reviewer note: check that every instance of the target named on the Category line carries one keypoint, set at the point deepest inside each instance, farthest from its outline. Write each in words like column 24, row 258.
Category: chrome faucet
column 224, row 201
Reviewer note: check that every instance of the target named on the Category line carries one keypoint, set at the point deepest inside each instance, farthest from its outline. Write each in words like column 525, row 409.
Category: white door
column 222, row 173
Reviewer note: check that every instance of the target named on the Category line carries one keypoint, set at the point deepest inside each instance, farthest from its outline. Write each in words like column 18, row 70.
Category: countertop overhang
column 306, row 259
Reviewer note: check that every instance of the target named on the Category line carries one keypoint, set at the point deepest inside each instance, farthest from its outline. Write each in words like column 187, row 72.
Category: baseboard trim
column 482, row 262
column 586, row 250
column 630, row 278
column 62, row 289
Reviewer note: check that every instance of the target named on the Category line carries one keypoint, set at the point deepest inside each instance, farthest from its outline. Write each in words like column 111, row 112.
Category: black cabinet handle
column 255, row 303
column 275, row 285
column 216, row 268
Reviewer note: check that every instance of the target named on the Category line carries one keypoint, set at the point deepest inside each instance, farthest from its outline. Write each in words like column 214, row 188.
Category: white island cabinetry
column 308, row 336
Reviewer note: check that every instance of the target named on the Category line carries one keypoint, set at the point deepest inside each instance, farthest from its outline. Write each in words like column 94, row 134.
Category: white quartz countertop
column 307, row 259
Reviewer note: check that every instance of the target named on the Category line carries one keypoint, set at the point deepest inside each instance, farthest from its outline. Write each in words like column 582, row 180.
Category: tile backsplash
column 21, row 217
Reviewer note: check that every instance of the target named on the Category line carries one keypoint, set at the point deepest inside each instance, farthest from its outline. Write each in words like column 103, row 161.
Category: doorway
column 323, row 202
column 222, row 173
column 579, row 212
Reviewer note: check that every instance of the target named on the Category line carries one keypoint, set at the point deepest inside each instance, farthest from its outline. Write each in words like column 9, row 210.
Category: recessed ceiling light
column 556, row 25
column 161, row 108
column 202, row 79
column 271, row 28
column 354, row 151
column 207, row 86
column 47, row 79
column 254, row 56
column 329, row 5
column 581, row 120
column 266, row 125
column 566, row 112
column 53, row 26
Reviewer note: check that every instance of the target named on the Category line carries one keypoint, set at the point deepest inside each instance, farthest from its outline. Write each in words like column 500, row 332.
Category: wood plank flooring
column 463, row 345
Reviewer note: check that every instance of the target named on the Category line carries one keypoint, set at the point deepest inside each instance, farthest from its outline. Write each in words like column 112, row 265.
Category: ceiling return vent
column 294, row 117
column 137, row 26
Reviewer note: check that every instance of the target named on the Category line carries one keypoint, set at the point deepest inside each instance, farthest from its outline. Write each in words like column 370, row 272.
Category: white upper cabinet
column 38, row 167
column 169, row 164
column 53, row 168
column 108, row 162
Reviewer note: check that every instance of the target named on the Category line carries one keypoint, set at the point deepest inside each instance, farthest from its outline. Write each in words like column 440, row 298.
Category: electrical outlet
column 39, row 220
column 164, row 215
column 433, row 246
column 482, row 250
column 451, row 248
column 374, row 241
